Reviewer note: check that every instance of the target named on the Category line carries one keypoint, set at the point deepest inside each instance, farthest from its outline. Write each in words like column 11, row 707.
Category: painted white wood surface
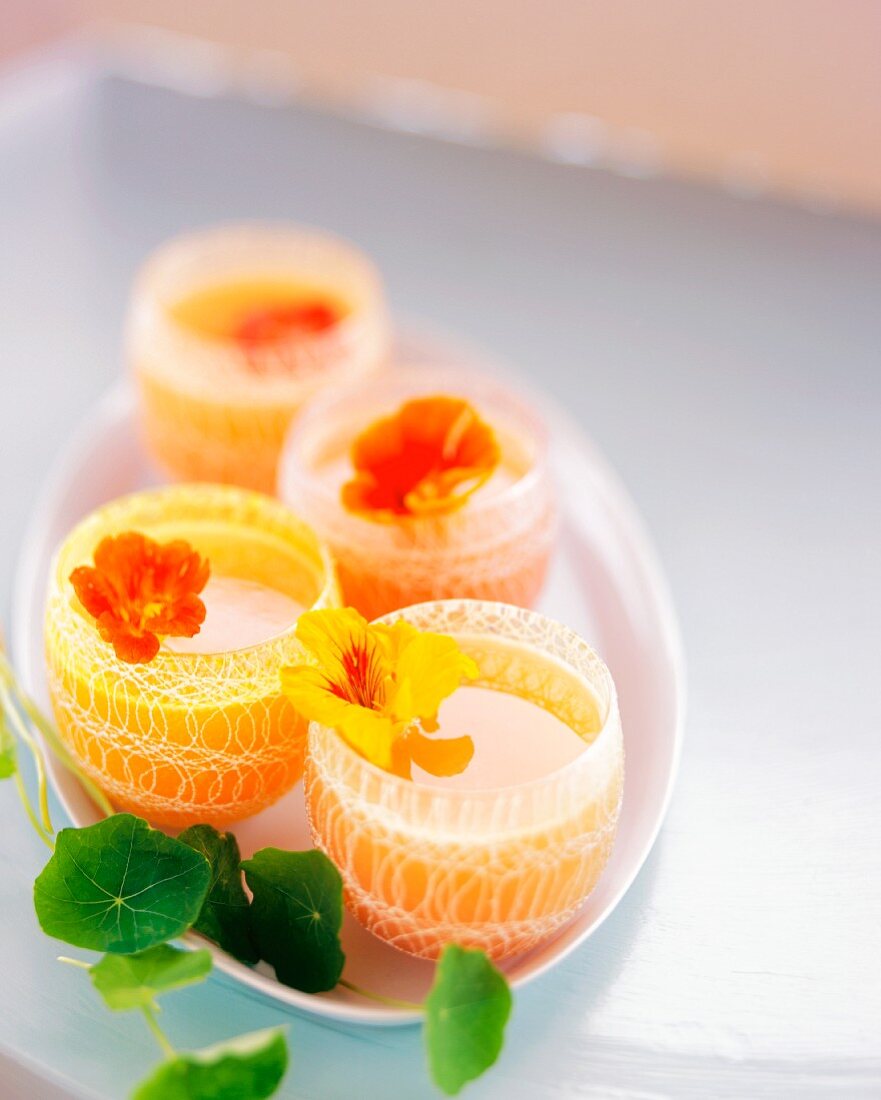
column 727, row 357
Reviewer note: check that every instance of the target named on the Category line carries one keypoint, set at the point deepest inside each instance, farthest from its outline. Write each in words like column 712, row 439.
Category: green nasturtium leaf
column 8, row 766
column 132, row 981
column 250, row 1067
column 465, row 1016
column 120, row 886
column 225, row 916
column 296, row 914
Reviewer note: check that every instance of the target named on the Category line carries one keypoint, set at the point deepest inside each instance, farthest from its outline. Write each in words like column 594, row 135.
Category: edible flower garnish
column 139, row 591
column 269, row 324
column 425, row 459
column 380, row 687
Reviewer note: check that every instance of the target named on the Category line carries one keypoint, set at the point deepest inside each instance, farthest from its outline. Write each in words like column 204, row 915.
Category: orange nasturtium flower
column 380, row 687
column 269, row 324
column 139, row 591
column 425, row 459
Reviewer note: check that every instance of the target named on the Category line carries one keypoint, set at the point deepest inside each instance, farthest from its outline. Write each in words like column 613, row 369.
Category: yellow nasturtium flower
column 380, row 687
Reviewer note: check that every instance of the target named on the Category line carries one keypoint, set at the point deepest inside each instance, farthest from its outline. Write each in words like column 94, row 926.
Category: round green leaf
column 120, row 886
column 132, row 981
column 465, row 1016
column 296, row 915
column 248, row 1068
column 225, row 916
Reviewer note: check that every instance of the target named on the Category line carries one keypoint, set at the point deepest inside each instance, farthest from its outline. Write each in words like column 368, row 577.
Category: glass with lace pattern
column 500, row 855
column 426, row 484
column 168, row 616
column 231, row 330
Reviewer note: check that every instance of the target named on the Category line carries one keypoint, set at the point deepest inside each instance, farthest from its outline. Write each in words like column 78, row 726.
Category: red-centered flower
column 139, row 591
column 380, row 687
column 271, row 324
column 425, row 459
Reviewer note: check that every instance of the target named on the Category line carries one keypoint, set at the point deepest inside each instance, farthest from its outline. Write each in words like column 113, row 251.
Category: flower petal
column 372, row 735
column 428, row 669
column 182, row 619
column 369, row 733
column 131, row 647
column 426, row 458
column 92, row 590
column 328, row 636
column 371, row 682
column 308, row 689
column 443, row 756
column 269, row 324
column 140, row 590
column 394, row 638
column 446, row 491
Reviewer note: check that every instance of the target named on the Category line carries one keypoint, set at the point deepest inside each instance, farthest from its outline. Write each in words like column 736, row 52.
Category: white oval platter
column 605, row 582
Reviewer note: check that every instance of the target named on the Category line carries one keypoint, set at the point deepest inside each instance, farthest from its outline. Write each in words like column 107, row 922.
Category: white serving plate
column 605, row 582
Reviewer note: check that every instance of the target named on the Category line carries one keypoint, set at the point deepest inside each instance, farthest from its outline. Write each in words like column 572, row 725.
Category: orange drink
column 501, row 855
column 197, row 731
column 475, row 519
column 232, row 330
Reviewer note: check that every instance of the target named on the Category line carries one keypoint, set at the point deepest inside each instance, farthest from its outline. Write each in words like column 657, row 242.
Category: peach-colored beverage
column 501, row 855
column 515, row 740
column 239, row 614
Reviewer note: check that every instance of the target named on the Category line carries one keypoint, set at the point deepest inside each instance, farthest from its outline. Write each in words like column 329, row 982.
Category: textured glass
column 495, row 547
column 187, row 737
column 212, row 411
column 497, row 869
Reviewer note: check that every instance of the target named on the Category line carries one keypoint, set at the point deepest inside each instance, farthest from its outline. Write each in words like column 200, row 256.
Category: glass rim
column 98, row 518
column 424, row 791
column 293, row 469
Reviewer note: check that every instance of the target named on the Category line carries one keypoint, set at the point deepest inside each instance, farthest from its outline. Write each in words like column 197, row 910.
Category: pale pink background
column 780, row 95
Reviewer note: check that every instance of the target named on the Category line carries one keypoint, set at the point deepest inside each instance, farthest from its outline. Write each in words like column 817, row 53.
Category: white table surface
column 726, row 354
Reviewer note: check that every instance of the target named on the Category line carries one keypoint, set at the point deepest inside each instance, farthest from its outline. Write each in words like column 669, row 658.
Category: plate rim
column 118, row 402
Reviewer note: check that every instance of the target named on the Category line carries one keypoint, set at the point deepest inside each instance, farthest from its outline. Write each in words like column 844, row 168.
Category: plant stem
column 153, row 1024
column 149, row 1013
column 50, row 736
column 60, row 750
column 74, row 962
column 11, row 712
column 29, row 810
column 393, row 1002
